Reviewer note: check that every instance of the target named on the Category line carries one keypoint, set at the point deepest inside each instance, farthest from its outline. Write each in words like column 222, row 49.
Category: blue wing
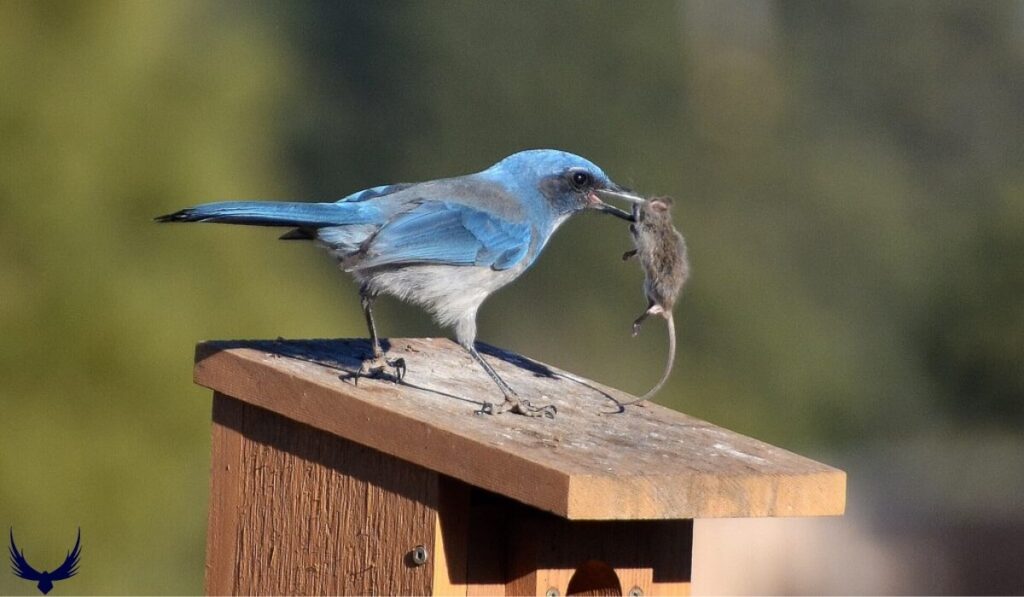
column 448, row 233
column 376, row 192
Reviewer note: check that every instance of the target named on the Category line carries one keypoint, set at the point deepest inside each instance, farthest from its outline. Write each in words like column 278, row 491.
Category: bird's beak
column 613, row 191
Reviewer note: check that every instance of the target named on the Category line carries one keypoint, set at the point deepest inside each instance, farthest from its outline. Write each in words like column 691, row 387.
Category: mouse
column 661, row 251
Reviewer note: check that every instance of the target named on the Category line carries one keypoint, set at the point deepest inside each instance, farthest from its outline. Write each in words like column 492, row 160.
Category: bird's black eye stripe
column 580, row 178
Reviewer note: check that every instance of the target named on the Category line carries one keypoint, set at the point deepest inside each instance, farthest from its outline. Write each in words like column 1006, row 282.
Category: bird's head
column 567, row 182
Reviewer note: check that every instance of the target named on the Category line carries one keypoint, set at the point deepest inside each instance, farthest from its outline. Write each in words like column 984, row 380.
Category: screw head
column 552, row 592
column 636, row 592
column 420, row 555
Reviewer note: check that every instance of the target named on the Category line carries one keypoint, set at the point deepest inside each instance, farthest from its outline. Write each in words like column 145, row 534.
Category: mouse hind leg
column 653, row 309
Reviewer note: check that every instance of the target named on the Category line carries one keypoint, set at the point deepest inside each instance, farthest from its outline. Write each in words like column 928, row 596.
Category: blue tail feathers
column 277, row 213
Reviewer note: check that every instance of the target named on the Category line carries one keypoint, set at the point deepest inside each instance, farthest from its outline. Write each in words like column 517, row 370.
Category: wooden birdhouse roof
column 593, row 461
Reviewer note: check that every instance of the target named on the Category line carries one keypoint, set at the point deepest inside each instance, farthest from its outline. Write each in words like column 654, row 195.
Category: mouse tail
column 668, row 365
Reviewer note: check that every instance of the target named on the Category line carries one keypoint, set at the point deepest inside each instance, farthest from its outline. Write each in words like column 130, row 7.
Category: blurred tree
column 110, row 114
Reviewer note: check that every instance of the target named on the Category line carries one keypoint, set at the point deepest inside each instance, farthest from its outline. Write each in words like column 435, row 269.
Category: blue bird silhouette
column 45, row 579
column 444, row 245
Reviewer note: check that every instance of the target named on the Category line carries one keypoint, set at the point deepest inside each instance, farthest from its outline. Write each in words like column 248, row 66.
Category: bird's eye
column 580, row 179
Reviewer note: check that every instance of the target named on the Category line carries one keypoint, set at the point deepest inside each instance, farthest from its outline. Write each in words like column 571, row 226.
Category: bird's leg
column 378, row 363
column 513, row 402
column 366, row 300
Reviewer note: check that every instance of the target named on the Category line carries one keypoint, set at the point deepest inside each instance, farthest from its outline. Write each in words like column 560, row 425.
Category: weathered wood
column 593, row 461
column 299, row 511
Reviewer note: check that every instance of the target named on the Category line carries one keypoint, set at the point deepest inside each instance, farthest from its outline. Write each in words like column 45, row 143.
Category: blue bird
column 45, row 579
column 444, row 245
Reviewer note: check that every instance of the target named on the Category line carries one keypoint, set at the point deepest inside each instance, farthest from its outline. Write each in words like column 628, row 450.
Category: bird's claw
column 400, row 368
column 381, row 367
column 486, row 408
column 523, row 407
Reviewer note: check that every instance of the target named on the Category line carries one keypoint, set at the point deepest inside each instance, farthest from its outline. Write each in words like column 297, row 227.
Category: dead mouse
column 661, row 250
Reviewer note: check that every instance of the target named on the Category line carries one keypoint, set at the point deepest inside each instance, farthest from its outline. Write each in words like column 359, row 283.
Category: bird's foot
column 636, row 329
column 522, row 406
column 381, row 367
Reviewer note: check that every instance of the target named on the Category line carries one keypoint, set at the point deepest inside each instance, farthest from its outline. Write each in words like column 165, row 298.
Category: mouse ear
column 661, row 203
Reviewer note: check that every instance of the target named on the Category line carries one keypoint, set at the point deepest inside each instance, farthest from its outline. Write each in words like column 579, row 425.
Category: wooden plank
column 470, row 543
column 222, row 533
column 451, row 546
column 315, row 513
column 592, row 462
column 488, row 544
column 608, row 557
column 487, row 572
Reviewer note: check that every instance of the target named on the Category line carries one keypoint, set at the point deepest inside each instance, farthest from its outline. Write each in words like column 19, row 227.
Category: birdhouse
column 322, row 483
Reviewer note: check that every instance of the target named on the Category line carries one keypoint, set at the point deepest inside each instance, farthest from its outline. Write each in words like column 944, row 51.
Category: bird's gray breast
column 451, row 293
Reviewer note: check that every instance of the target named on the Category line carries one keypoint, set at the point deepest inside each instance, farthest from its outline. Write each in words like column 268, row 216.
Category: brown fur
column 661, row 251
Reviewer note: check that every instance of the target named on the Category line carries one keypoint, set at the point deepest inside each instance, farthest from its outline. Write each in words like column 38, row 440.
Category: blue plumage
column 279, row 213
column 445, row 244
column 448, row 233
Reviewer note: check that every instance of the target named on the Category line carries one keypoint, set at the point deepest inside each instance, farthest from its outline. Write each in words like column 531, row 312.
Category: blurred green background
column 849, row 176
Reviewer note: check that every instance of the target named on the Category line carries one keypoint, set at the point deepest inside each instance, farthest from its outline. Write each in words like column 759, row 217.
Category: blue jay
column 444, row 245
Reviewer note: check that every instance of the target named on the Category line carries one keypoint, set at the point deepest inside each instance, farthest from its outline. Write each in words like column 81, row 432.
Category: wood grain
column 594, row 461
column 298, row 511
column 451, row 547
column 221, row 539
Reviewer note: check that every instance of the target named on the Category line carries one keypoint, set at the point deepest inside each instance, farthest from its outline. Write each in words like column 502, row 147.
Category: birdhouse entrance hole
column 594, row 577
